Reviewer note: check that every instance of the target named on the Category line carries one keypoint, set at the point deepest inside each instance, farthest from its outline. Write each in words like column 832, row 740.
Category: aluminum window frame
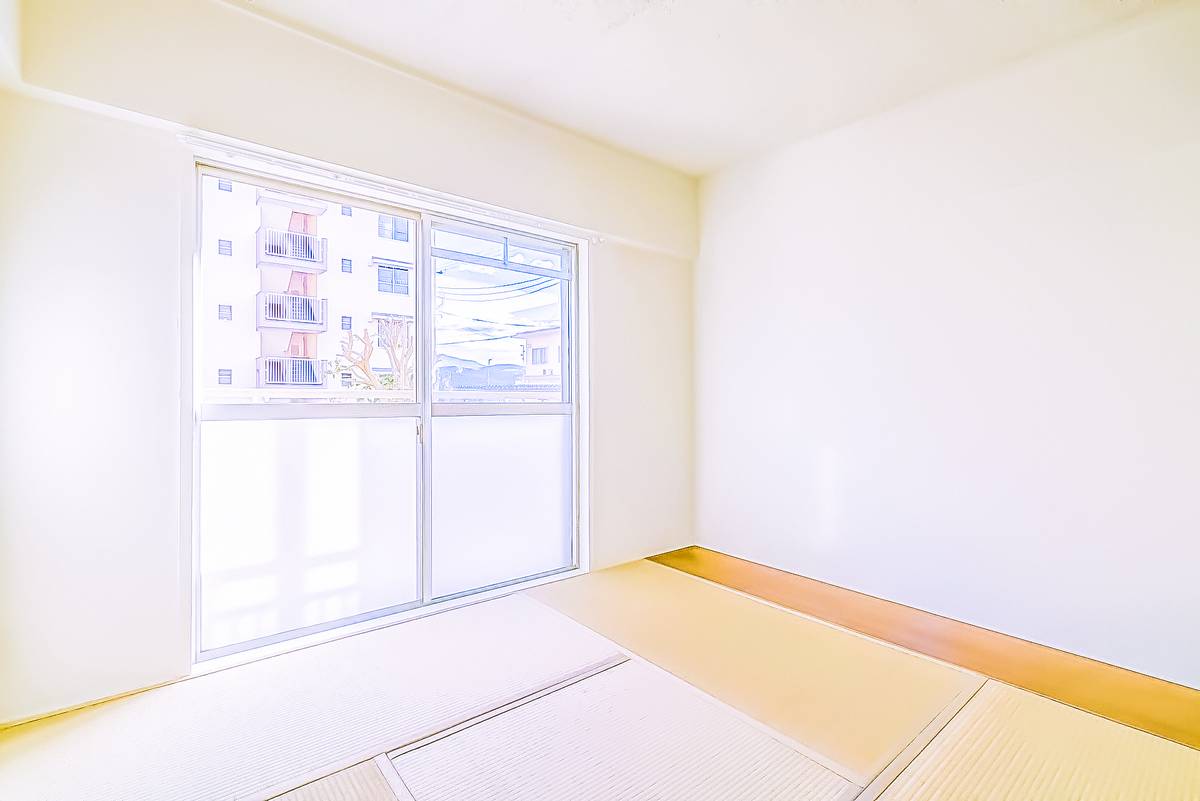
column 272, row 170
column 569, row 287
column 569, row 354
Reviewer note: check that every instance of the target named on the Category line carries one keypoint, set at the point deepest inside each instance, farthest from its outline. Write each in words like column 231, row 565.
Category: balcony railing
column 292, row 249
column 292, row 312
column 291, row 371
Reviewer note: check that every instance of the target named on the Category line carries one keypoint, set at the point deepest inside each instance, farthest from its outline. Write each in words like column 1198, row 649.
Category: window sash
column 415, row 281
column 418, row 279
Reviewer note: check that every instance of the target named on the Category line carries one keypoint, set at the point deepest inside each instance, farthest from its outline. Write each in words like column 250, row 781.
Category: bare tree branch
column 396, row 337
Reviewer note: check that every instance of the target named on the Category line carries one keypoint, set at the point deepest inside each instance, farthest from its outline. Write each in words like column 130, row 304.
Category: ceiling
column 697, row 84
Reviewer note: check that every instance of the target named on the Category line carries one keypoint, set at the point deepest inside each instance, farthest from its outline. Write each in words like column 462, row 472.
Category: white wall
column 212, row 66
column 950, row 355
column 10, row 40
column 641, row 397
column 89, row 500
column 91, row 221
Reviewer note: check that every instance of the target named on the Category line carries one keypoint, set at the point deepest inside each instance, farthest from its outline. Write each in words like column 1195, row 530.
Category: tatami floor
column 899, row 724
column 636, row 682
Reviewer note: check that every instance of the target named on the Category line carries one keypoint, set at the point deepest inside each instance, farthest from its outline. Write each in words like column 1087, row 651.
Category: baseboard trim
column 1144, row 702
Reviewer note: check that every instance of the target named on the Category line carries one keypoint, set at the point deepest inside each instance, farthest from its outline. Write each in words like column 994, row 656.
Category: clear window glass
column 278, row 340
column 499, row 335
column 534, row 257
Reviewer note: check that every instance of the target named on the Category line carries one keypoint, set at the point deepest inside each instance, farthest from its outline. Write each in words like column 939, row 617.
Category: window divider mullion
column 426, row 364
column 486, row 409
column 305, row 411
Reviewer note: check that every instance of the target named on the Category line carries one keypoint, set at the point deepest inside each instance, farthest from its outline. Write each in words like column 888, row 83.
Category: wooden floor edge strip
column 1153, row 705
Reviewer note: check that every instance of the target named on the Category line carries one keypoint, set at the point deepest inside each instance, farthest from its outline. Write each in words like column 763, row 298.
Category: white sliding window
column 385, row 410
column 502, row 431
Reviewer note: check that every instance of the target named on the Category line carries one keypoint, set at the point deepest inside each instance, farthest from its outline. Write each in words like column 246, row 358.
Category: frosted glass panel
column 501, row 499
column 304, row 522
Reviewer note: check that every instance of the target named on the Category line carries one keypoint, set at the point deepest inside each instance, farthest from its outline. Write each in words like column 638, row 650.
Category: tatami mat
column 1144, row 702
column 855, row 701
column 1011, row 745
column 268, row 725
column 631, row 732
column 362, row 782
column 594, row 730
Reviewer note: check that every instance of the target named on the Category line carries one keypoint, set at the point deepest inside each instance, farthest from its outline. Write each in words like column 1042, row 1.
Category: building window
column 225, row 376
column 346, row 380
column 347, row 211
column 347, row 324
column 393, row 277
column 347, row 266
column 224, row 185
column 224, row 312
column 537, row 356
column 393, row 227
column 225, row 247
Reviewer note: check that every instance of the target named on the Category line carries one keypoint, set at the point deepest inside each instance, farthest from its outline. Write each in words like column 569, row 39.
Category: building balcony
column 283, row 310
column 291, row 371
column 292, row 249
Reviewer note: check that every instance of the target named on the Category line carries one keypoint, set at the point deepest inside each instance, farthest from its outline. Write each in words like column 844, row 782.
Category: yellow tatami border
column 1144, row 702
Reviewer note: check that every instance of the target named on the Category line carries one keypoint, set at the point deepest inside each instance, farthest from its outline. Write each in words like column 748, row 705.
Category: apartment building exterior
column 305, row 295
